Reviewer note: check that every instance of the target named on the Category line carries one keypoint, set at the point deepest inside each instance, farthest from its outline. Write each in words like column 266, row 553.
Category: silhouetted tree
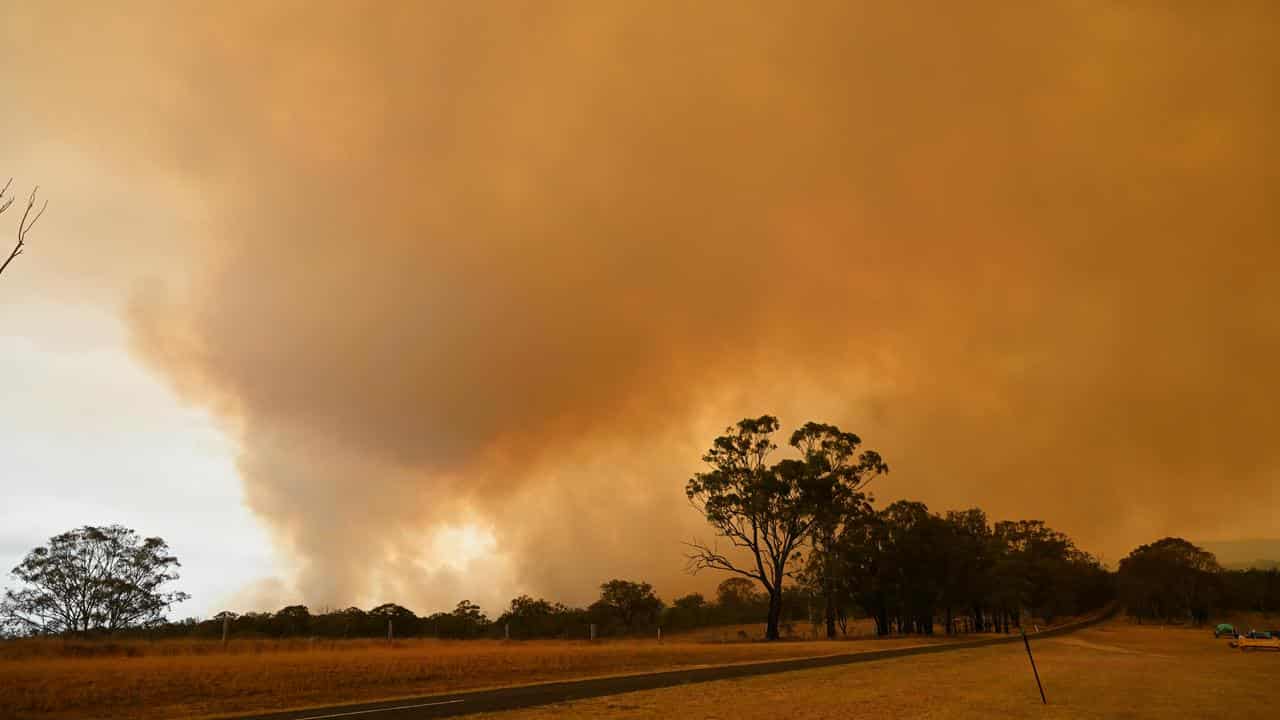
column 403, row 622
column 759, row 508
column 904, row 555
column 971, row 554
column 347, row 622
column 629, row 602
column 466, row 620
column 25, row 223
column 531, row 618
column 738, row 593
column 906, row 567
column 1170, row 579
column 836, row 476
column 687, row 611
column 291, row 620
column 92, row 578
column 1255, row 589
column 692, row 601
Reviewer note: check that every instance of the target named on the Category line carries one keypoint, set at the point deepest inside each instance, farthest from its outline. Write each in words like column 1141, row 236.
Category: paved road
column 438, row 706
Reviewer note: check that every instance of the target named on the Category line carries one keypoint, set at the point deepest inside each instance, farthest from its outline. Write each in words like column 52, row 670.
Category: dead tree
column 27, row 222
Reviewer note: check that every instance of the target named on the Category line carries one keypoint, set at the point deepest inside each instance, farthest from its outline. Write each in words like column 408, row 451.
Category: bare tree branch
column 25, row 224
column 5, row 202
column 702, row 557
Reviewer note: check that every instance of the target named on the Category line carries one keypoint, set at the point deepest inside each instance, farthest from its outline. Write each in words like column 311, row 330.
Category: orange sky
column 510, row 266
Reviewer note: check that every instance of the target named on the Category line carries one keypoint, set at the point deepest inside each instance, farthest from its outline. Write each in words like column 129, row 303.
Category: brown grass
column 140, row 680
column 860, row 629
column 1118, row 670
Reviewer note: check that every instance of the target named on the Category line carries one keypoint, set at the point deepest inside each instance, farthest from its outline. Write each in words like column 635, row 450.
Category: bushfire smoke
column 513, row 265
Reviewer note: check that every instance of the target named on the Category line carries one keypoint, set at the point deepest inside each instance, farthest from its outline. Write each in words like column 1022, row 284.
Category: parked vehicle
column 1247, row 644
column 1257, row 640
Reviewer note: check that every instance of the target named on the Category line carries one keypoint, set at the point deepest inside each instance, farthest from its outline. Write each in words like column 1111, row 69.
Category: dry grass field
column 859, row 629
column 1116, row 670
column 139, row 680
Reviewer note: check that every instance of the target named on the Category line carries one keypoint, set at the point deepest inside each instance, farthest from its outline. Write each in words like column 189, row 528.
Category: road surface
column 512, row 698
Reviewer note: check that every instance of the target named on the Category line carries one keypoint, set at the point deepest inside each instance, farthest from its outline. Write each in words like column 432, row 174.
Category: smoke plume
column 513, row 265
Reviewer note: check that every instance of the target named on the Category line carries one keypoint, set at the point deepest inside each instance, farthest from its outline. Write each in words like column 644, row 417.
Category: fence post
column 593, row 632
column 659, row 633
column 389, row 631
column 1032, row 658
column 506, row 631
column 226, row 620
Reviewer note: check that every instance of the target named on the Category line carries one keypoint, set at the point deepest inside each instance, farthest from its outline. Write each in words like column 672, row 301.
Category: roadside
column 164, row 679
column 1113, row 670
column 535, row 695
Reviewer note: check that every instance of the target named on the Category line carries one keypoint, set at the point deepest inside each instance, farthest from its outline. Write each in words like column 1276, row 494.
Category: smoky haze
column 514, row 265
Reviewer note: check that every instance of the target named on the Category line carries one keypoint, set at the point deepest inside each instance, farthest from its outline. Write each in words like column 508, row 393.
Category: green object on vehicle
column 1225, row 628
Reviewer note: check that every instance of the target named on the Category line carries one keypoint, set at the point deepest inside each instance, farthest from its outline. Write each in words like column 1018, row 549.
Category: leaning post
column 1032, row 658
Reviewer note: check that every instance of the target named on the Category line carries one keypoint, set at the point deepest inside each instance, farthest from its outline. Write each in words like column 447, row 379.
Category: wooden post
column 226, row 620
column 389, row 631
column 659, row 633
column 593, row 632
column 506, row 631
column 1032, row 658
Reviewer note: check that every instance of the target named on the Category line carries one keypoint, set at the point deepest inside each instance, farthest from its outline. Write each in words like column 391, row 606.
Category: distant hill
column 1261, row 553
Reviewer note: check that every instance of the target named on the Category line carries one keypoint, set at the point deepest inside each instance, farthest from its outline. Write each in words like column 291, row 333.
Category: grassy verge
column 1117, row 670
column 165, row 679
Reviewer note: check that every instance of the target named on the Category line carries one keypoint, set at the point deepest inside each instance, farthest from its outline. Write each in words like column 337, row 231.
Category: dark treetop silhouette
column 91, row 579
column 771, row 511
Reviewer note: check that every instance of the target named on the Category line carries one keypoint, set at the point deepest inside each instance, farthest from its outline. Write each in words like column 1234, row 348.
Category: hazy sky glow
column 92, row 438
column 445, row 300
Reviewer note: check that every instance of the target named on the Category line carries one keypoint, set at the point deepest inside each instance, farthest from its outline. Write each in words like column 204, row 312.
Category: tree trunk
column 775, row 613
column 829, row 592
column 950, row 630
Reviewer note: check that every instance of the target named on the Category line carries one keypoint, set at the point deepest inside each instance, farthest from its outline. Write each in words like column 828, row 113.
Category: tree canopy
column 755, row 506
column 629, row 603
column 772, row 511
column 837, row 476
column 92, row 579
column 1170, row 579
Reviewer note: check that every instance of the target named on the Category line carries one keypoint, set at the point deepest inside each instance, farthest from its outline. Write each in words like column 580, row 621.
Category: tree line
column 1173, row 580
column 910, row 570
column 805, row 543
column 107, row 581
column 623, row 608
column 811, row 520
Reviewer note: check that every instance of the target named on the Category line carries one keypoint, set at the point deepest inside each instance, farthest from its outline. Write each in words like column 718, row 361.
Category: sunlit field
column 1118, row 670
column 141, row 680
